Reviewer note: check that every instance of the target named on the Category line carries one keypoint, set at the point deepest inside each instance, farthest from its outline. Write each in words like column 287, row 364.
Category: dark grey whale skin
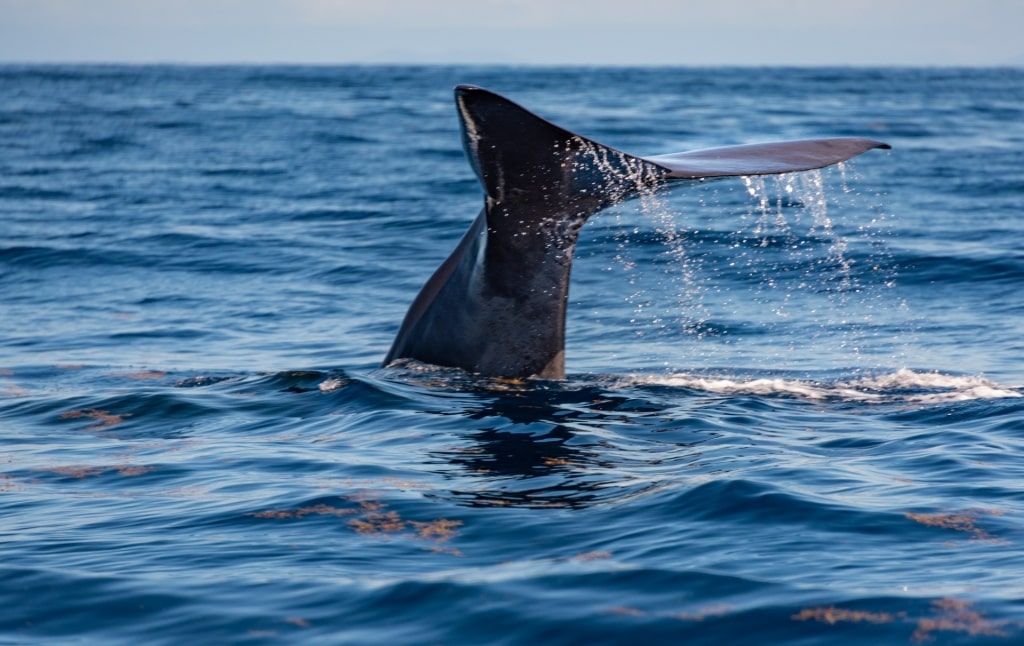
column 496, row 306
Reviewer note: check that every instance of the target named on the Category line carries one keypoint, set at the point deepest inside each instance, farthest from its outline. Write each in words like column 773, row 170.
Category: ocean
column 793, row 409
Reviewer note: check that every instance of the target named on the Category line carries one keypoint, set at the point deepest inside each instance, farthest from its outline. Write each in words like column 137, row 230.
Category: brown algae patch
column 82, row 472
column 956, row 615
column 948, row 615
column 961, row 522
column 143, row 374
column 372, row 519
column 104, row 419
column 832, row 616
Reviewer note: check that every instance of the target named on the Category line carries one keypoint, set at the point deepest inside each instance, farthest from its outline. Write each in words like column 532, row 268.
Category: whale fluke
column 497, row 305
column 763, row 159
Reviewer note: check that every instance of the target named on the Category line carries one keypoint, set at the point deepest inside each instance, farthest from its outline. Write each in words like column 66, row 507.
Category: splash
column 761, row 270
column 802, row 266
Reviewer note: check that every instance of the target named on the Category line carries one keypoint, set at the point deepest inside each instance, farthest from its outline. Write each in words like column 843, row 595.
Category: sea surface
column 794, row 410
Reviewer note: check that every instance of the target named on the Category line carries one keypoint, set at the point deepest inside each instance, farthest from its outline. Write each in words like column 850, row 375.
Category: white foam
column 331, row 384
column 904, row 385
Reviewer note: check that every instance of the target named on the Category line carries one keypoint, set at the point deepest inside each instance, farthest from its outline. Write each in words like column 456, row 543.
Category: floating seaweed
column 104, row 419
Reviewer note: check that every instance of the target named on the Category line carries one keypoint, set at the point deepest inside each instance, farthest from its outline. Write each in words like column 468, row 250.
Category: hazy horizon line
column 400, row 63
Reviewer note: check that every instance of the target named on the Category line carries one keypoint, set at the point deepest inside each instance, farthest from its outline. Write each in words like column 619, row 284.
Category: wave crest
column 904, row 385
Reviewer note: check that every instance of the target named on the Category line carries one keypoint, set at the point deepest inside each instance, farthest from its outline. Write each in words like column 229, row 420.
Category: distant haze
column 587, row 32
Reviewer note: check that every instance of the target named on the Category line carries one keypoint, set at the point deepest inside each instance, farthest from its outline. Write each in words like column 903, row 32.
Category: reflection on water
column 552, row 445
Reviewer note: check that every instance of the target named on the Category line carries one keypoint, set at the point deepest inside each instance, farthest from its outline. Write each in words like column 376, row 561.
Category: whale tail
column 517, row 153
column 497, row 305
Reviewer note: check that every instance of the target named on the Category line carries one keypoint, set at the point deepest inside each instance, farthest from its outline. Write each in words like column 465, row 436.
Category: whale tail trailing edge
column 763, row 159
column 497, row 305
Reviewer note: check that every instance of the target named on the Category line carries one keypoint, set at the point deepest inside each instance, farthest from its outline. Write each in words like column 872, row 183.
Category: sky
column 532, row 32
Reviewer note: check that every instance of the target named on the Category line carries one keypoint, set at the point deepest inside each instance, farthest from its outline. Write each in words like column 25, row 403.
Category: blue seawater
column 793, row 415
